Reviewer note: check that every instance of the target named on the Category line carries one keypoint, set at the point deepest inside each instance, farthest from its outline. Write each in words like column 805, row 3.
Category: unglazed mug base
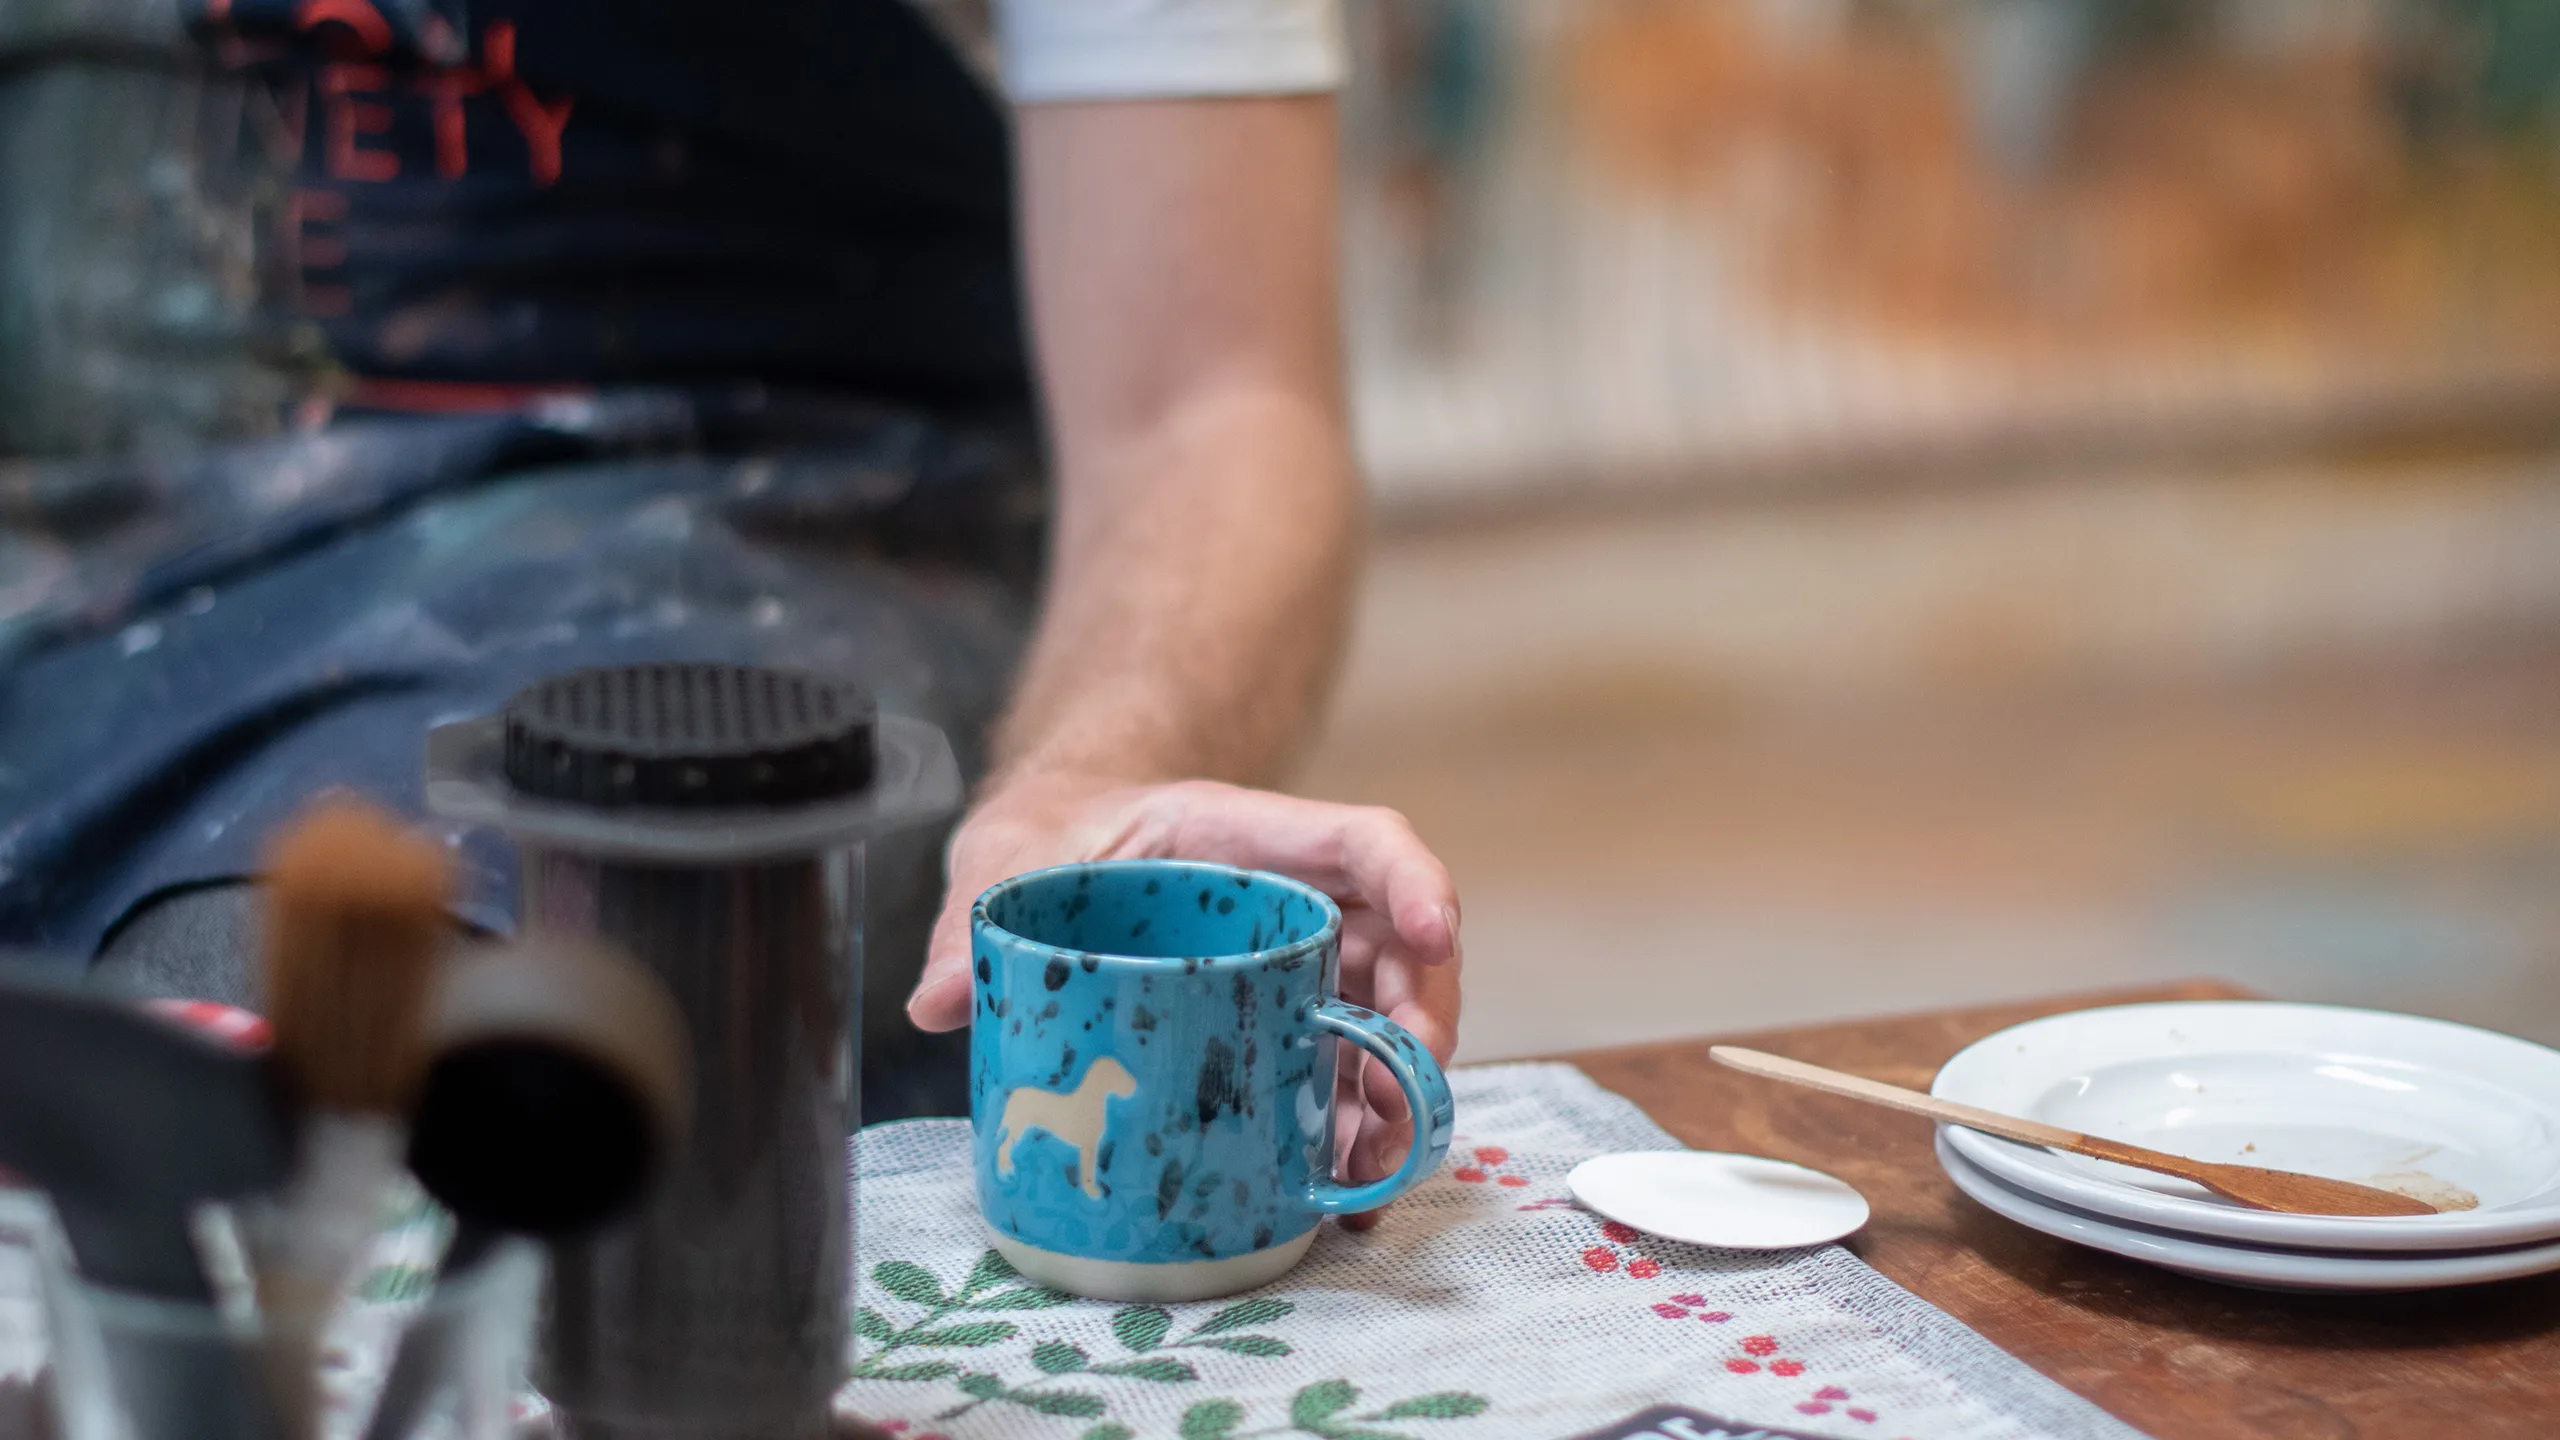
column 1163, row 1282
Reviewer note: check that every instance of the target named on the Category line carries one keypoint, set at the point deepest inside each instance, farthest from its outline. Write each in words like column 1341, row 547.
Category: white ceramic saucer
column 2356, row 1095
column 2294, row 1270
column 1739, row 1202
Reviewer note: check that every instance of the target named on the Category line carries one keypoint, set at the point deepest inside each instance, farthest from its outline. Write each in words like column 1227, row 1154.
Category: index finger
column 1366, row 853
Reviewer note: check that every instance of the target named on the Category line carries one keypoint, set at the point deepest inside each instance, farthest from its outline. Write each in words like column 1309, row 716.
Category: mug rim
column 1325, row 934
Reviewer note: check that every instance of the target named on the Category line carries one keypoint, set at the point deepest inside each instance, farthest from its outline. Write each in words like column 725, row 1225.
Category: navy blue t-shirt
column 596, row 192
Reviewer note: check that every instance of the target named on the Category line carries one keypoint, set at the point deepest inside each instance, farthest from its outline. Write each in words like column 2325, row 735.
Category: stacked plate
column 2445, row 1112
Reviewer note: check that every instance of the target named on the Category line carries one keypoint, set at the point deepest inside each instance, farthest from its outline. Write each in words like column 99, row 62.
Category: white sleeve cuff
column 1141, row 49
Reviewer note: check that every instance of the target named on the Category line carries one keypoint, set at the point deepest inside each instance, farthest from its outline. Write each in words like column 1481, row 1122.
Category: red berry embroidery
column 1688, row 1299
column 1830, row 1392
column 1742, row 1367
column 1643, row 1269
column 1813, row 1407
column 1601, row 1258
column 1488, row 1159
column 1716, row 1317
column 1796, row 1367
column 1670, row 1312
column 1856, row 1413
column 1761, row 1345
column 1623, row 1234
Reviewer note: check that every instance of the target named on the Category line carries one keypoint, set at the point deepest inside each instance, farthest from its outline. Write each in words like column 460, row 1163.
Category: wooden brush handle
column 2262, row 1189
column 1876, row 1092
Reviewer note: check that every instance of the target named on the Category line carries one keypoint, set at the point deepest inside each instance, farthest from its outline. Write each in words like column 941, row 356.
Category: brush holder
column 710, row 822
column 124, row 1366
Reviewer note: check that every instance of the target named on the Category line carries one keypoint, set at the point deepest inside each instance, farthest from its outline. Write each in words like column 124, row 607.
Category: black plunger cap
column 693, row 736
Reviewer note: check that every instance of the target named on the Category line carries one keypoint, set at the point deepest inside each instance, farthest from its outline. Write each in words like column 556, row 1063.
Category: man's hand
column 1399, row 907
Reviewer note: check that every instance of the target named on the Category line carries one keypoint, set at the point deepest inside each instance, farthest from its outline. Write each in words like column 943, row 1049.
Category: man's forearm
column 1181, row 259
column 1192, row 629
column 1208, row 511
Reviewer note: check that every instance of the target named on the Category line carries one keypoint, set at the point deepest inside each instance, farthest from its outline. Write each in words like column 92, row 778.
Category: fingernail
column 926, row 995
column 1449, row 921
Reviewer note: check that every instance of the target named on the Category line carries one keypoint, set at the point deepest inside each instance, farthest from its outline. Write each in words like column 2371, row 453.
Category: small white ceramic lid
column 1738, row 1202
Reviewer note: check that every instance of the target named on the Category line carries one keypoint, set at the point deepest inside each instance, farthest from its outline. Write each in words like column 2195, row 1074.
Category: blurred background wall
column 1891, row 502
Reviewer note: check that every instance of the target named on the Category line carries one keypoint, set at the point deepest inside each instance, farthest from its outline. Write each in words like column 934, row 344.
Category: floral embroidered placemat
column 1486, row 1306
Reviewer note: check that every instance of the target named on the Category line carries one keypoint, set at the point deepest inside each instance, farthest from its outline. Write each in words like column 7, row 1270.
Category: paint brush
column 132, row 1125
column 355, row 930
column 560, row 1084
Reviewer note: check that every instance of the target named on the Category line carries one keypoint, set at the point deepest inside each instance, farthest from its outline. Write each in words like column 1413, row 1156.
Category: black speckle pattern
column 1217, row 1089
column 1227, row 1045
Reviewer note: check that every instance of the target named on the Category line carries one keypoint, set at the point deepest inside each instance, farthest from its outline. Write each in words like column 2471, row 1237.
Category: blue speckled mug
column 1152, row 1076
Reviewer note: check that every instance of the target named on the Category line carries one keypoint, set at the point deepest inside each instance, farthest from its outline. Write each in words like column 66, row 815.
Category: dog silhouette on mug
column 1073, row 1116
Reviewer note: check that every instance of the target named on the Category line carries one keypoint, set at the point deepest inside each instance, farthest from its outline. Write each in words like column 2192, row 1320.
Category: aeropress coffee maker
column 709, row 821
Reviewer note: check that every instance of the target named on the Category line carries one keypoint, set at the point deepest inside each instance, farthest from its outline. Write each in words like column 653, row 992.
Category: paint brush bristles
column 355, row 929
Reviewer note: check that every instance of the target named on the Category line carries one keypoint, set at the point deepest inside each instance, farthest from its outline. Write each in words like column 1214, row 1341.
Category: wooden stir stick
column 2278, row 1190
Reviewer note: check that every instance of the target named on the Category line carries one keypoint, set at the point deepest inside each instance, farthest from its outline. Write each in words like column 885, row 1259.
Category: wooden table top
column 2173, row 1356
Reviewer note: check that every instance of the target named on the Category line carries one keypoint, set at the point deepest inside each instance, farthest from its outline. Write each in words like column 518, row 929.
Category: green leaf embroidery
column 1057, row 1357
column 396, row 1282
column 921, row 1370
column 992, row 1269
column 1142, row 1327
column 984, row 1332
column 1109, row 1432
column 1245, row 1312
column 1033, row 1298
column 870, row 1324
column 1072, row 1403
column 985, row 1387
column 1315, row 1406
column 1264, row 1345
column 1444, row 1405
column 909, row 1282
column 1162, row 1370
column 1211, row 1420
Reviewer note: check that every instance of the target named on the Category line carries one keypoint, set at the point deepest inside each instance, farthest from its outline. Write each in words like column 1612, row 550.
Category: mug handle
column 1426, row 1095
